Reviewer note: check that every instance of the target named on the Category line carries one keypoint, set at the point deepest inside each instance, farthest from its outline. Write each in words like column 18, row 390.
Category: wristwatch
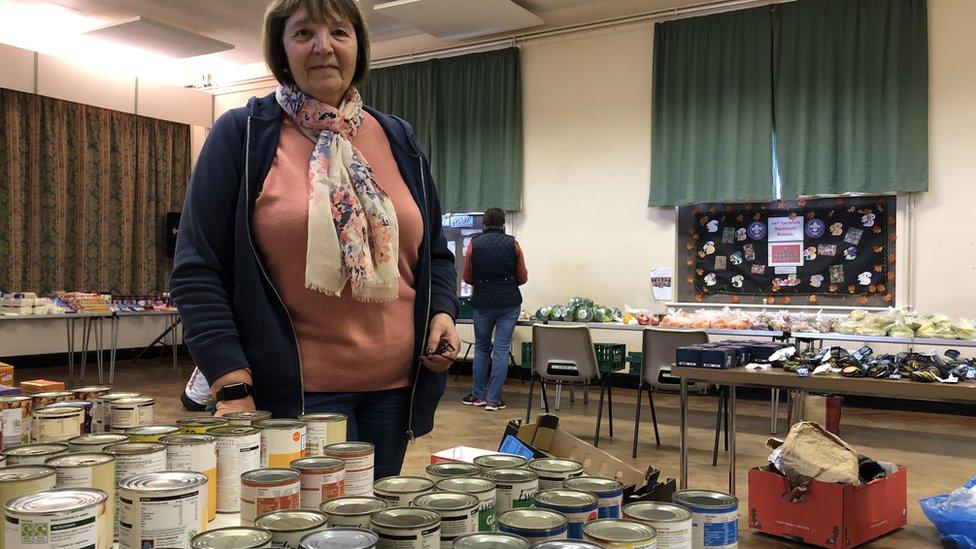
column 234, row 391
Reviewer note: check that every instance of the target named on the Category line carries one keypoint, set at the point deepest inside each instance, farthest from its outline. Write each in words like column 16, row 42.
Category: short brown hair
column 494, row 218
column 319, row 11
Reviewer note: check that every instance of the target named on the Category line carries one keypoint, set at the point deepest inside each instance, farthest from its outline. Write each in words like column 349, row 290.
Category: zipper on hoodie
column 257, row 258
column 423, row 340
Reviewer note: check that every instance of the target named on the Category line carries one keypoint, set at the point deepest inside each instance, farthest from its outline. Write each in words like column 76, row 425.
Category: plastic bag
column 954, row 515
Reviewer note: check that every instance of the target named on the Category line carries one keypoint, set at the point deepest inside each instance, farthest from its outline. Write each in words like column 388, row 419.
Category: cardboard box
column 828, row 515
column 40, row 386
column 6, row 374
column 544, row 438
column 459, row 454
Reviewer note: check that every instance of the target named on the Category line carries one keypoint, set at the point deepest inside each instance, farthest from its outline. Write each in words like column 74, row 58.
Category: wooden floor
column 938, row 450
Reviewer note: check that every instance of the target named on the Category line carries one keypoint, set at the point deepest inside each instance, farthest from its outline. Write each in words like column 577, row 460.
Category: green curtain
column 851, row 96
column 83, row 195
column 467, row 112
column 712, row 122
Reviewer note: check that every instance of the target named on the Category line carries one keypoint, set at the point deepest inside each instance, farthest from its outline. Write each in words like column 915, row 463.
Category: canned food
column 88, row 471
column 131, row 459
column 401, row 491
column 515, row 487
column 126, row 413
column 608, row 491
column 233, row 537
column 34, row 454
column 534, row 525
column 579, row 507
column 197, row 453
column 151, row 433
column 500, row 461
column 324, row 428
column 161, row 509
column 84, row 405
column 23, row 479
column 458, row 512
column 288, row 527
column 55, row 424
column 714, row 518
column 94, row 442
column 238, row 451
column 406, row 527
column 441, row 471
column 483, row 488
column 15, row 413
column 567, row 544
column 282, row 441
column 55, row 519
column 552, row 471
column 491, row 540
column 323, row 478
column 359, row 458
column 246, row 418
column 90, row 392
column 351, row 512
column 42, row 399
column 266, row 490
column 199, row 425
column 620, row 534
column 344, row 538
column 101, row 409
column 672, row 522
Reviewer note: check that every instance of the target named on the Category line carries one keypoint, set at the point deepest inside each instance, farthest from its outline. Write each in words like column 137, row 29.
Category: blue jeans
column 376, row 417
column 502, row 321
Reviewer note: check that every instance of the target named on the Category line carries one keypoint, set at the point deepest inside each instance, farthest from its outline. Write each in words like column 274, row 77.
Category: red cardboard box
column 829, row 515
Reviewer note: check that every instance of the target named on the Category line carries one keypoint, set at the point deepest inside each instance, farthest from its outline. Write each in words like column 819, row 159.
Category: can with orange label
column 282, row 441
column 266, row 490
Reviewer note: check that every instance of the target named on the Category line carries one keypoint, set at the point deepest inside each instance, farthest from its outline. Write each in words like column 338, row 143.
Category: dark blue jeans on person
column 502, row 322
column 376, row 417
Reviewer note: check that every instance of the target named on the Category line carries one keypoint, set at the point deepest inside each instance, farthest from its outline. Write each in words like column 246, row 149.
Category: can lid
column 55, row 501
column 13, row 398
column 531, row 519
column 446, row 501
column 191, row 439
column 350, row 505
column 471, row 485
column 234, row 537
column 290, row 520
column 594, row 485
column 83, row 459
column 403, row 485
column 339, row 538
column 36, row 449
column 323, row 416
column 25, row 472
column 348, row 447
column 270, row 475
column 201, row 421
column 279, row 423
column 653, row 511
column 98, row 438
column 405, row 518
column 704, row 499
column 248, row 414
column 554, row 465
column 232, row 431
column 91, row 389
column 566, row 544
column 570, row 498
column 116, row 396
column 316, row 463
column 498, row 461
column 152, row 430
column 134, row 401
column 70, row 404
column 163, row 481
column 133, row 448
column 618, row 530
column 49, row 394
column 511, row 475
column 453, row 469
column 491, row 540
column 55, row 413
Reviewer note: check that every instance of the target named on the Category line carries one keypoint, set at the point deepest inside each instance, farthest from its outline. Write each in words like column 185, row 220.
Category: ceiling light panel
column 458, row 19
column 150, row 35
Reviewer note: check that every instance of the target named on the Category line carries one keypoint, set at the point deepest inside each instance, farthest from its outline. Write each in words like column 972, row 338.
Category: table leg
column 71, row 348
column 100, row 345
column 115, row 346
column 774, row 414
column 731, row 410
column 85, row 339
column 176, row 328
column 683, row 438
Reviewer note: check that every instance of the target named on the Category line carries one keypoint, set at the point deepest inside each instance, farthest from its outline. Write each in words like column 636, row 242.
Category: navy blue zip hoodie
column 232, row 314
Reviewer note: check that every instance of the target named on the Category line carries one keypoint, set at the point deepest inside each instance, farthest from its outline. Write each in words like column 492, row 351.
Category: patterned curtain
column 84, row 193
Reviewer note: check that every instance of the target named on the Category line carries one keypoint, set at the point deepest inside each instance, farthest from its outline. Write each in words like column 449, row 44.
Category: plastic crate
column 465, row 311
column 634, row 359
column 526, row 355
column 610, row 357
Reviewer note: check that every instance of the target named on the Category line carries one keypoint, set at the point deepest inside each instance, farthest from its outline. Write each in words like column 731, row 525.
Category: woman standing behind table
column 311, row 273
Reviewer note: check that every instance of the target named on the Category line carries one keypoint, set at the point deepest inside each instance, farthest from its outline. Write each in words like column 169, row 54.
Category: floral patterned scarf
column 352, row 226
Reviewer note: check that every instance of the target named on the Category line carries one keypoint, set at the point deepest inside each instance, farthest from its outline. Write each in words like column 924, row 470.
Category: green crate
column 610, row 357
column 526, row 355
column 465, row 311
column 634, row 359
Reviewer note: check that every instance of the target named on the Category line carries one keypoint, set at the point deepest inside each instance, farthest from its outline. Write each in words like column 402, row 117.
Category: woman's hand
column 443, row 343
column 245, row 404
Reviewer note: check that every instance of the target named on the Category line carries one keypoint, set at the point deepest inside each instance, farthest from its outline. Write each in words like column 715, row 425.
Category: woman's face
column 321, row 56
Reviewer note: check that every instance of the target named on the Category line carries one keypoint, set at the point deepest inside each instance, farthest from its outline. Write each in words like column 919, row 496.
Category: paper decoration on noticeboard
column 753, row 250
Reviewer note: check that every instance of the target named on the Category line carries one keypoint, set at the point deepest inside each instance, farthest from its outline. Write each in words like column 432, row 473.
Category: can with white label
column 34, row 454
column 441, row 471
column 55, row 424
column 406, row 528
column 199, row 425
column 58, row 519
column 84, row 406
column 324, row 428
column 246, row 418
column 515, row 488
column 127, row 413
column 620, row 534
column 197, row 453
column 483, row 489
column 610, row 492
column 359, row 458
column 163, row 509
column 238, row 451
column 93, row 470
column 102, row 409
column 23, row 479
column 15, row 414
column 491, row 540
column 94, row 442
column 346, row 538
column 401, row 491
column 714, row 518
column 535, row 525
column 672, row 522
column 458, row 512
column 500, row 461
column 151, row 433
column 282, row 441
column 288, row 527
column 353, row 512
column 553, row 471
column 323, row 478
column 579, row 507
column 266, row 490
column 134, row 458
column 232, row 537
